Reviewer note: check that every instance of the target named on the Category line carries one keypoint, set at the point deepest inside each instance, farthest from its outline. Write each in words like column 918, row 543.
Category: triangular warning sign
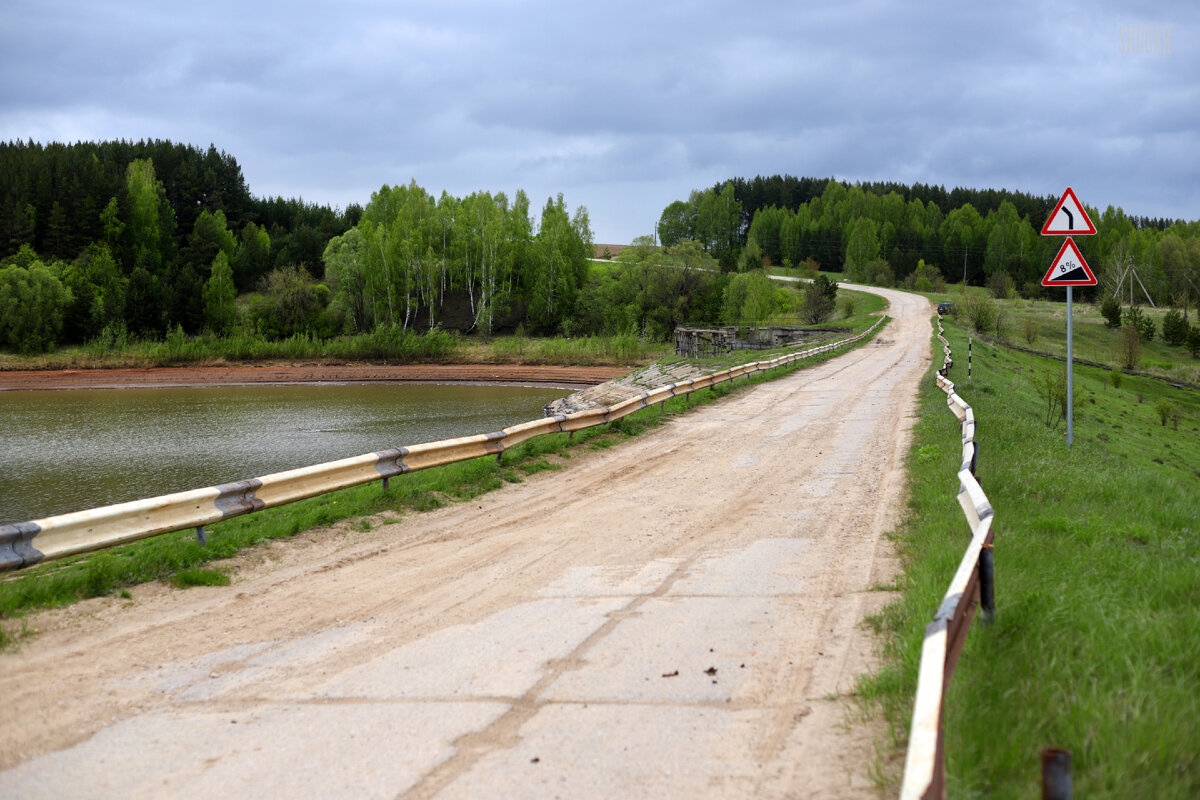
column 1069, row 268
column 1068, row 218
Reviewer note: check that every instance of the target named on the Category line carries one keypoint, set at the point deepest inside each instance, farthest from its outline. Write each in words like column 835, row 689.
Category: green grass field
column 1097, row 551
column 1041, row 325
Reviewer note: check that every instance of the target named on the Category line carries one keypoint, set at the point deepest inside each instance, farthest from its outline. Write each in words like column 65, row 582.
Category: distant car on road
column 945, row 308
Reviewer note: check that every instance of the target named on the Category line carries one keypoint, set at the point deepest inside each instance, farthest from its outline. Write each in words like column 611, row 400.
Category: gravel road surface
column 676, row 617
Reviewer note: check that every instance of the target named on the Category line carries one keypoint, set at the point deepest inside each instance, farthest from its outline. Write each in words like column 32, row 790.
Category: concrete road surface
column 676, row 617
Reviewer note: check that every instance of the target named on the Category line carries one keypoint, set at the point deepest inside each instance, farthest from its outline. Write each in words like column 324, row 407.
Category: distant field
column 1093, row 340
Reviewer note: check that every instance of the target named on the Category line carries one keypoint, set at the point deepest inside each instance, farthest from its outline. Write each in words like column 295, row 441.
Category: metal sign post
column 1070, row 373
column 1069, row 269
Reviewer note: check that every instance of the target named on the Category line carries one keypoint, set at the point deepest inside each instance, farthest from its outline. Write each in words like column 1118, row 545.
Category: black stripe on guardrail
column 16, row 545
column 238, row 498
column 391, row 462
column 495, row 442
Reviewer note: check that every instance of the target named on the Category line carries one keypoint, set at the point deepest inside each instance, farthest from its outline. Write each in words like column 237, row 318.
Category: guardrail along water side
column 24, row 544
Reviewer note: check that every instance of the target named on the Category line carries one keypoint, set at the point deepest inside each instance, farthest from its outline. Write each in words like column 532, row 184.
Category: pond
column 65, row 451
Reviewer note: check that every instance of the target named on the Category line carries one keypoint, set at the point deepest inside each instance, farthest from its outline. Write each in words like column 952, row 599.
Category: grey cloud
column 622, row 106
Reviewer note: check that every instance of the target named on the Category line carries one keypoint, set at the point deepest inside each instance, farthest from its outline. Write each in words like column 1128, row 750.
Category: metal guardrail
column 973, row 583
column 24, row 544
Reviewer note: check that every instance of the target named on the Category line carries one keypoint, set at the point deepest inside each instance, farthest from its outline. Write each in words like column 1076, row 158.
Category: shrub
column 1130, row 349
column 1135, row 317
column 1110, row 309
column 1030, row 328
column 33, row 302
column 1001, row 285
column 848, row 305
column 881, row 273
column 820, row 298
column 925, row 278
column 1053, row 390
column 290, row 303
column 1114, row 377
column 1193, row 341
column 1174, row 328
column 980, row 313
column 1165, row 410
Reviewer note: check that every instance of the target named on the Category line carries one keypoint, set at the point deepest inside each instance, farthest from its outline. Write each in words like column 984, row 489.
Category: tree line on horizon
column 114, row 239
column 124, row 236
column 894, row 234
column 117, row 239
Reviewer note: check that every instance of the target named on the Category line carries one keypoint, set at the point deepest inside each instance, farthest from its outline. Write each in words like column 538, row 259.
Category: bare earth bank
column 305, row 373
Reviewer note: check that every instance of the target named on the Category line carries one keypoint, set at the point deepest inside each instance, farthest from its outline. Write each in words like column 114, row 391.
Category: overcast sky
column 623, row 106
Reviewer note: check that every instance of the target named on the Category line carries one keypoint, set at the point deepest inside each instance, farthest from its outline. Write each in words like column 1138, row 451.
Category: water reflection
column 68, row 450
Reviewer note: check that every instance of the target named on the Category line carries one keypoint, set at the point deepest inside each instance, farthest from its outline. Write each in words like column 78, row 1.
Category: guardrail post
column 385, row 484
column 201, row 536
column 1056, row 774
column 987, row 584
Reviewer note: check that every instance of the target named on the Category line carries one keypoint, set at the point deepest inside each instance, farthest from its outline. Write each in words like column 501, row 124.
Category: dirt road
column 679, row 616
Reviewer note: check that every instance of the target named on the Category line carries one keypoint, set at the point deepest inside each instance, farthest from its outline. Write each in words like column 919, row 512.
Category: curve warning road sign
column 1068, row 218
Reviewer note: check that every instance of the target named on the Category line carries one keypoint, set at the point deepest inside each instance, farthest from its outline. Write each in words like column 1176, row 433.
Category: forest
column 119, row 239
column 892, row 234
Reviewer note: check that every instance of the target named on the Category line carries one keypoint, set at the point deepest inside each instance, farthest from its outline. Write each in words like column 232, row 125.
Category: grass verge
column 1097, row 582
column 178, row 556
column 386, row 344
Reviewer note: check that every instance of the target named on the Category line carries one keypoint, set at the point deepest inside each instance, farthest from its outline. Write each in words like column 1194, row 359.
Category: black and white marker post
column 1070, row 270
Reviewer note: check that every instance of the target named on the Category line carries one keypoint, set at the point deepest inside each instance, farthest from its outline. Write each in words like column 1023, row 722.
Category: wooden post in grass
column 1056, row 774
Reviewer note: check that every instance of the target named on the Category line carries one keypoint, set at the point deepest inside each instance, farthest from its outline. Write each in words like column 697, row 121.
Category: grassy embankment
column 405, row 347
column 180, row 559
column 1041, row 325
column 1094, row 647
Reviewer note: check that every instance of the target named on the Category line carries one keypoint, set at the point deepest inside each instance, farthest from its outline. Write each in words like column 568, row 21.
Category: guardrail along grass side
column 1093, row 648
column 28, row 543
column 971, row 586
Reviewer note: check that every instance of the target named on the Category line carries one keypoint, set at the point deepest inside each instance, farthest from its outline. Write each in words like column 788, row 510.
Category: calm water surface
column 64, row 451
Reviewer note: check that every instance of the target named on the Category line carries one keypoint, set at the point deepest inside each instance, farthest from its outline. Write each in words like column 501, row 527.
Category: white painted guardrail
column 24, row 544
column 972, row 585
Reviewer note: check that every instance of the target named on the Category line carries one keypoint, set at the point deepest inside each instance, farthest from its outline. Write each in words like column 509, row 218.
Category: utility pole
column 964, row 266
column 1130, row 271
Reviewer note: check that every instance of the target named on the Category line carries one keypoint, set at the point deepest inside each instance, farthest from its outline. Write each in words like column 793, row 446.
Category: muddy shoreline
column 566, row 377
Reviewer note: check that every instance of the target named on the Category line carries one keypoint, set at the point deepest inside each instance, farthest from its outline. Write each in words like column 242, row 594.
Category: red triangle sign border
column 1069, row 244
column 1084, row 230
